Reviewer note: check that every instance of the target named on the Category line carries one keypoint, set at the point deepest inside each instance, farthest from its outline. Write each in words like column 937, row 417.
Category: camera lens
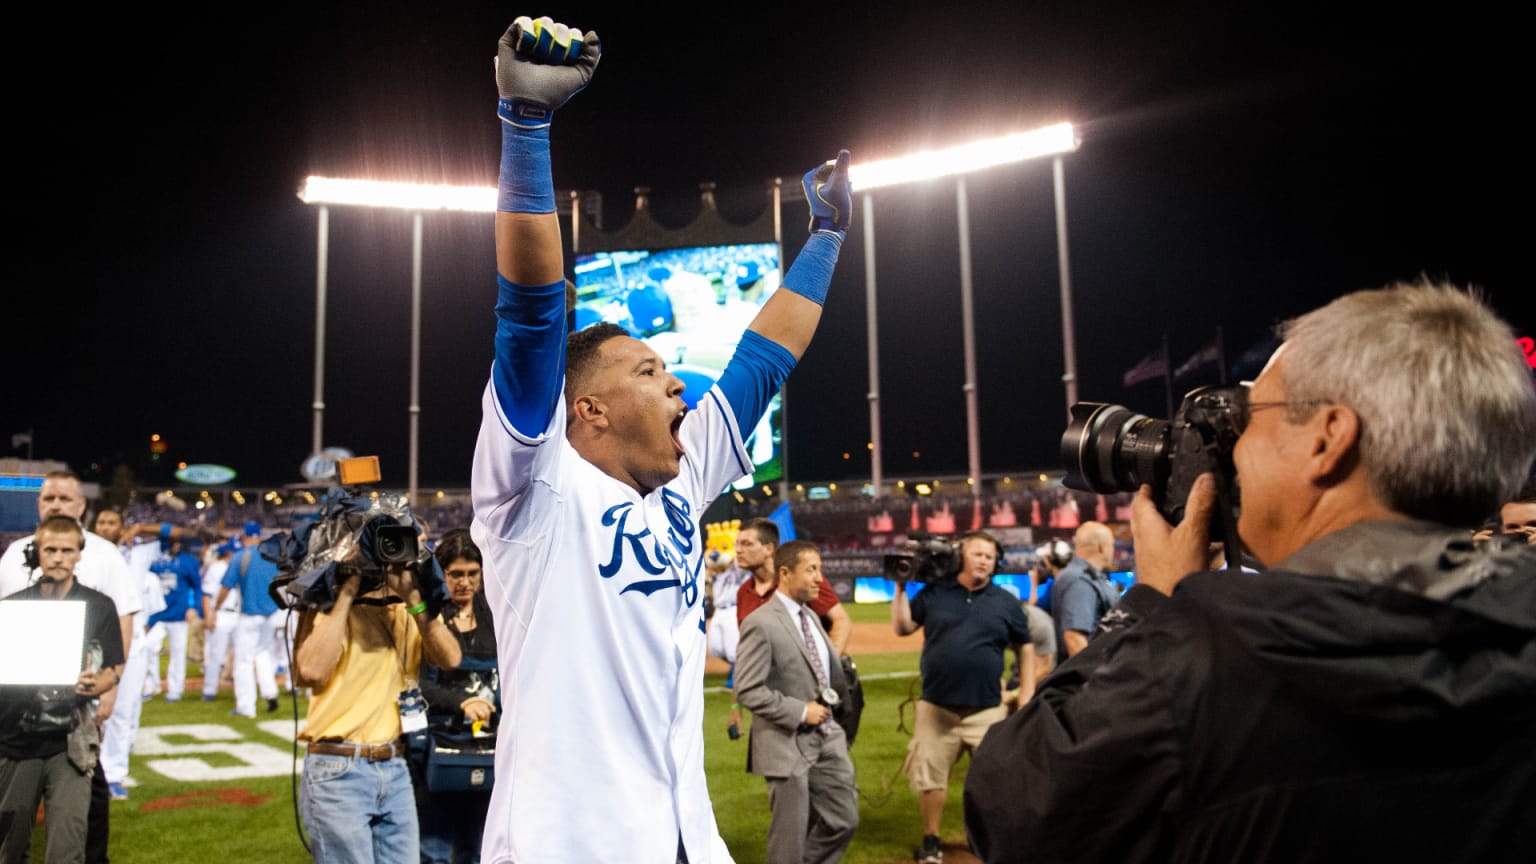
column 1110, row 448
column 394, row 544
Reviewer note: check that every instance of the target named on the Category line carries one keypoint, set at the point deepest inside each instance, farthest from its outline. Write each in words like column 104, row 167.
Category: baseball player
column 589, row 480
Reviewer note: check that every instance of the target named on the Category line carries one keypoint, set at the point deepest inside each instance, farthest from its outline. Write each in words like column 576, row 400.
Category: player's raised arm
column 790, row 316
column 540, row 65
column 782, row 330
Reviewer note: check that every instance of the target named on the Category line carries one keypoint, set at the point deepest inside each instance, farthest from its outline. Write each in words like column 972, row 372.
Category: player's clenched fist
column 830, row 194
column 540, row 65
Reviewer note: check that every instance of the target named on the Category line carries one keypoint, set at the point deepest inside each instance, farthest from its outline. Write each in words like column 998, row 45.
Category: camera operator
column 967, row 623
column 1379, row 671
column 362, row 657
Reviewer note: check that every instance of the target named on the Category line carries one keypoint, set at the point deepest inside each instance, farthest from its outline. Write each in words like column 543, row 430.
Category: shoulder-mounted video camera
column 1110, row 448
column 358, row 533
column 924, row 558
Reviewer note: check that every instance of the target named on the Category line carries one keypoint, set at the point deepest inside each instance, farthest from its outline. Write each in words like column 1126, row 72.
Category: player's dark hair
column 767, row 530
column 581, row 350
column 789, row 554
column 456, row 544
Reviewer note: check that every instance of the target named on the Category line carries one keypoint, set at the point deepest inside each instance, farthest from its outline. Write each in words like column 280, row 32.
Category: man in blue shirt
column 1083, row 592
column 967, row 623
column 259, row 618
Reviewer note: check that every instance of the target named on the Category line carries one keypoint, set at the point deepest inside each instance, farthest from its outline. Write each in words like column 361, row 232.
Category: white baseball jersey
column 600, row 634
column 101, row 567
column 212, row 577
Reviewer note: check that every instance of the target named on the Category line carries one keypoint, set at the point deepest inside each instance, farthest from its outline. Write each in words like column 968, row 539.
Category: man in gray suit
column 788, row 676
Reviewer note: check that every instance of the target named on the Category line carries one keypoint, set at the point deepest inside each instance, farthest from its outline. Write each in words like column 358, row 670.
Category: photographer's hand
column 401, row 581
column 1165, row 554
column 901, row 611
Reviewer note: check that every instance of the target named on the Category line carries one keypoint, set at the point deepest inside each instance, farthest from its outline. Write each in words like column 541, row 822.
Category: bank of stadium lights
column 401, row 196
column 965, row 158
column 973, row 156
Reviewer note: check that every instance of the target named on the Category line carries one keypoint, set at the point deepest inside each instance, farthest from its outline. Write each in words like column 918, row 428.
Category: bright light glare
column 403, row 196
column 965, row 158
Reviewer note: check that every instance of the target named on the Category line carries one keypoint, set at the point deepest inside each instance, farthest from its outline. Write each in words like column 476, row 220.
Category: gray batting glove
column 540, row 65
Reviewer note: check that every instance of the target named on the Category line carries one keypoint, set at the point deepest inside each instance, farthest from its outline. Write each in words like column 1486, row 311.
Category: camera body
column 356, row 534
column 1109, row 448
column 924, row 558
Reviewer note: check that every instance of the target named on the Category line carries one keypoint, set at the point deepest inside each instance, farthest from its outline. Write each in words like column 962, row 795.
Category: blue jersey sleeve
column 530, row 354
column 755, row 373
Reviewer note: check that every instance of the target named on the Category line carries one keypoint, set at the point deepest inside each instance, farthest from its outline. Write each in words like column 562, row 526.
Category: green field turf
column 250, row 818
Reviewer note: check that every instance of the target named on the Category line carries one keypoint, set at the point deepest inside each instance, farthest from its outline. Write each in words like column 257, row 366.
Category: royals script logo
column 657, row 556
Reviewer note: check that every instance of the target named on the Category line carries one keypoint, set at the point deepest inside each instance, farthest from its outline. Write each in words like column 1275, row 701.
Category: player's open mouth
column 677, row 426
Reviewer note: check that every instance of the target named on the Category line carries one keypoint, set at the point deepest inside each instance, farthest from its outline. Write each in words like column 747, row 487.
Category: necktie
column 810, row 644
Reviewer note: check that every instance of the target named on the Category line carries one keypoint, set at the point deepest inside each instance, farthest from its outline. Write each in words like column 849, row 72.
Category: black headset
column 997, row 562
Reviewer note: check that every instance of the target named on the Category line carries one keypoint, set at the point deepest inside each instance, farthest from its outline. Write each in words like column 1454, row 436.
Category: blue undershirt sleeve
column 530, row 353
column 755, row 373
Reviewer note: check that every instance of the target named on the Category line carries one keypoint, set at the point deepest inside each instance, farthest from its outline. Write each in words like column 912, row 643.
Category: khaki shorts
column 939, row 737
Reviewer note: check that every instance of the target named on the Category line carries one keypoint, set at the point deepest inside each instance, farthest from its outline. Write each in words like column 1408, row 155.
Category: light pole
column 964, row 159
column 413, row 197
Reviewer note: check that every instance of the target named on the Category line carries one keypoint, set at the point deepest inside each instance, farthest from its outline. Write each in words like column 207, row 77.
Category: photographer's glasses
column 1243, row 409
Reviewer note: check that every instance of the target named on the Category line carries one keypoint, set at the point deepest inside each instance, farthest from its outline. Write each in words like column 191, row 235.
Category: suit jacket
column 775, row 679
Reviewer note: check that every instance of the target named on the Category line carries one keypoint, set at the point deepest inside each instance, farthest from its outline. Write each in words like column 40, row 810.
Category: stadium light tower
column 417, row 198
column 958, row 161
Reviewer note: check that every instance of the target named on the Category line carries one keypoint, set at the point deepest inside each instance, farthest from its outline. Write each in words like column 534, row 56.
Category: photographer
column 1379, row 671
column 967, row 623
column 361, row 655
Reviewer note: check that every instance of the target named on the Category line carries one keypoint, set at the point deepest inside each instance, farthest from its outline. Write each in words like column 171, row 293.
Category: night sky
column 1237, row 168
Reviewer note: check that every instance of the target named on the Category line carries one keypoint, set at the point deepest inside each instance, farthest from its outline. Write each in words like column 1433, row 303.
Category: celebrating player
column 589, row 479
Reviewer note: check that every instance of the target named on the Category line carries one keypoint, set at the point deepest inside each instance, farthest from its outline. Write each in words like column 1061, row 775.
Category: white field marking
column 181, row 762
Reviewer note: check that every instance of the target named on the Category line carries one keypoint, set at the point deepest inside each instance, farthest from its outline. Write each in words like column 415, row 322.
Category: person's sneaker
column 932, row 852
column 208, row 697
column 271, row 705
column 117, row 791
column 236, row 712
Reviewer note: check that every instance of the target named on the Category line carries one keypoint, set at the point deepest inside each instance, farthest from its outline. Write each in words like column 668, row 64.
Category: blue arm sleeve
column 755, row 373
column 811, row 273
column 526, row 182
column 530, row 353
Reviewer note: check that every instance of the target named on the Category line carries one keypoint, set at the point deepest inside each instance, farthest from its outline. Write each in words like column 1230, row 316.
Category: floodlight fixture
column 975, row 156
column 399, row 196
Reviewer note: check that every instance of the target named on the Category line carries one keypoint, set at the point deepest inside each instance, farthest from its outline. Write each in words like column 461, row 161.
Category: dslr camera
column 1110, row 448
column 924, row 558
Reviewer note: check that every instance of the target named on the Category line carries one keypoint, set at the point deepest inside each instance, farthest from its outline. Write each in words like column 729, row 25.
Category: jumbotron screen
column 691, row 306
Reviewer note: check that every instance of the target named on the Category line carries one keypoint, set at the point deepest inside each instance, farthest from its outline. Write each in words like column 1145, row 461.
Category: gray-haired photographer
column 370, row 596
column 1380, row 670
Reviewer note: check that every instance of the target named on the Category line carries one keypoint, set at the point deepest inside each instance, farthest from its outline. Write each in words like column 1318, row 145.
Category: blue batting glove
column 830, row 195
column 540, row 65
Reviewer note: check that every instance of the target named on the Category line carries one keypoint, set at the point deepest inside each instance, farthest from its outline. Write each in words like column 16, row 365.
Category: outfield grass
column 251, row 818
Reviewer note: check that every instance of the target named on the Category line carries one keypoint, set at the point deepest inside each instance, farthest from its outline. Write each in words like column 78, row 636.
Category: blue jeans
column 359, row 812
